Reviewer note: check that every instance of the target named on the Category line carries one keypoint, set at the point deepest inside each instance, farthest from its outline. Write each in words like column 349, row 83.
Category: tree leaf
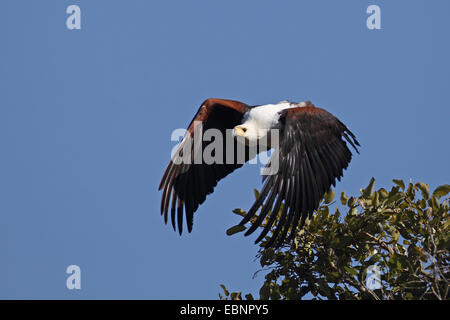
column 400, row 183
column 369, row 189
column 394, row 195
column 441, row 191
column 421, row 253
column 240, row 212
column 411, row 192
column 236, row 296
column 383, row 193
column 225, row 291
column 376, row 200
column 351, row 202
column 425, row 188
column 235, row 229
column 344, row 198
column 329, row 196
column 434, row 202
column 256, row 192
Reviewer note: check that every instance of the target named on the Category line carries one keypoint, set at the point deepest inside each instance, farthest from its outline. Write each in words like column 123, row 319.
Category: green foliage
column 233, row 295
column 404, row 232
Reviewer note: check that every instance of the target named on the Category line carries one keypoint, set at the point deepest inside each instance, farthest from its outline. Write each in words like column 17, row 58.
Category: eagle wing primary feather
column 312, row 154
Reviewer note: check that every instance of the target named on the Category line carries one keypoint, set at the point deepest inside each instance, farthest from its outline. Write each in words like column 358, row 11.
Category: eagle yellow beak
column 240, row 131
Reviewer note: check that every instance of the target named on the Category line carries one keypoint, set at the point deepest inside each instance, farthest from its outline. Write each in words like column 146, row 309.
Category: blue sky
column 86, row 117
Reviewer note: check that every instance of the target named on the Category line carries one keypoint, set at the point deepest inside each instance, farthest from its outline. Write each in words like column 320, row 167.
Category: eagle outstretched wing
column 312, row 154
column 185, row 184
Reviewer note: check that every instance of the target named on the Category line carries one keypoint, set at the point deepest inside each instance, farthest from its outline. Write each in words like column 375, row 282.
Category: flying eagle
column 312, row 153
